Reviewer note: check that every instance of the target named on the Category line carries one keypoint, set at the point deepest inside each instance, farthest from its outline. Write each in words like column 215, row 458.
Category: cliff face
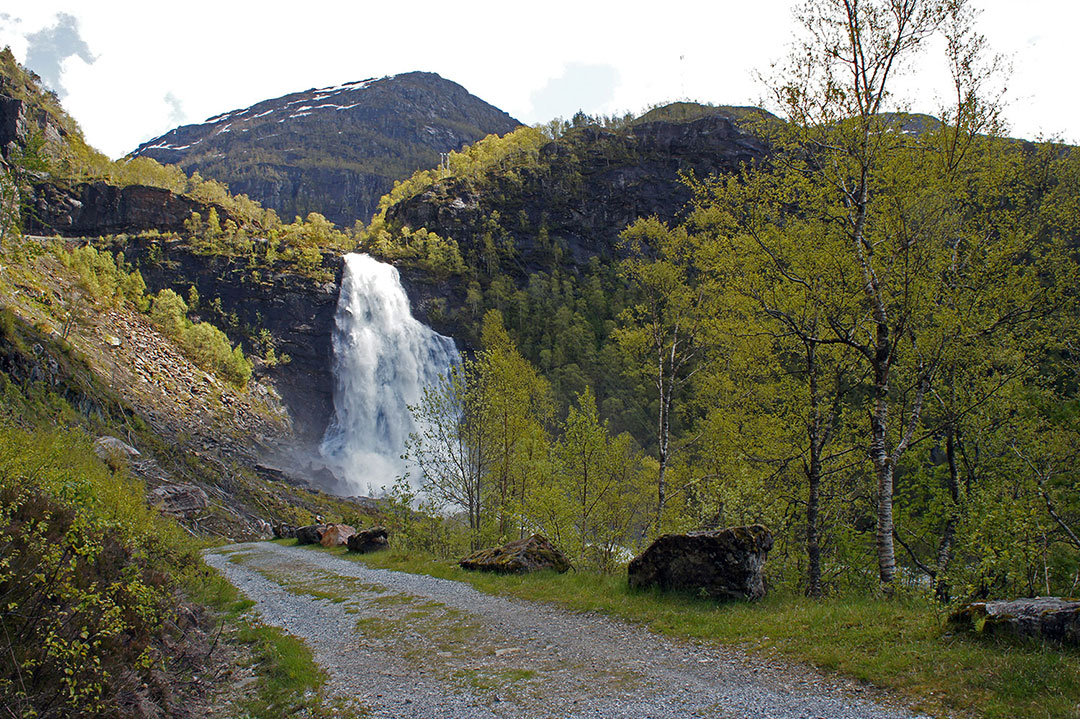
column 584, row 190
column 96, row 208
column 297, row 311
column 588, row 185
column 333, row 150
column 26, row 109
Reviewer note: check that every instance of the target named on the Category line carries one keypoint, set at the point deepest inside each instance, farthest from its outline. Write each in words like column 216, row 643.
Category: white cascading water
column 383, row 359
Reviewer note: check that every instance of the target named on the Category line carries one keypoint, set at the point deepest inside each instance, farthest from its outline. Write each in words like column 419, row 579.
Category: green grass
column 900, row 644
column 289, row 680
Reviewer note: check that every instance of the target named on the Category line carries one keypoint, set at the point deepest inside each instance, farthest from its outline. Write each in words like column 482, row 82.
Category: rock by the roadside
column 284, row 531
column 178, row 500
column 368, row 540
column 1052, row 619
column 531, row 554
column 336, row 535
column 723, row 564
column 311, row 534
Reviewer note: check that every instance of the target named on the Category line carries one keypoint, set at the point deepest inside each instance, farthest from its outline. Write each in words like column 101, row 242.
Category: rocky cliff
column 332, row 150
column 296, row 310
column 95, row 208
column 570, row 205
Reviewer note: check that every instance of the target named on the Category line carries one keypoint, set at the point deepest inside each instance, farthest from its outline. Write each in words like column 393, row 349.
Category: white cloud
column 580, row 87
column 48, row 50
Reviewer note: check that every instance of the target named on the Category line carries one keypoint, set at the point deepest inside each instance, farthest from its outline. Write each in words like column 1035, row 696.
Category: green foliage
column 848, row 366
column 203, row 343
column 85, row 571
column 208, row 346
column 169, row 313
column 595, row 504
column 107, row 278
column 507, row 155
column 298, row 246
column 690, row 111
column 484, row 448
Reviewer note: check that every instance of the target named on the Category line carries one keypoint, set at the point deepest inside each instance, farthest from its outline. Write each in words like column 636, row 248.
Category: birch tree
column 890, row 186
column 666, row 331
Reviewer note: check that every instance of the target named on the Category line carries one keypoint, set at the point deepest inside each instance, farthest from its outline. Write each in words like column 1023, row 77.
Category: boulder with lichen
column 722, row 564
column 1051, row 619
column 531, row 554
column 369, row 540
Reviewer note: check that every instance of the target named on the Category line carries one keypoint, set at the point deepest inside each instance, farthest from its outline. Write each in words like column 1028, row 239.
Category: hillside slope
column 333, row 150
column 530, row 225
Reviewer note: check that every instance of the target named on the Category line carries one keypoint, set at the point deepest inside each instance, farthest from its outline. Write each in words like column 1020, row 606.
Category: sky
column 129, row 71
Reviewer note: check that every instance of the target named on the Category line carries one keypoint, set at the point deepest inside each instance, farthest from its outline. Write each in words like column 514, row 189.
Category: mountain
column 333, row 150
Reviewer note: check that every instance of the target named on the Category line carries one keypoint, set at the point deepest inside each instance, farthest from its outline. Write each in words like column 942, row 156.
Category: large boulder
column 178, row 500
column 336, row 535
column 531, row 554
column 368, row 540
column 311, row 534
column 723, row 563
column 1050, row 619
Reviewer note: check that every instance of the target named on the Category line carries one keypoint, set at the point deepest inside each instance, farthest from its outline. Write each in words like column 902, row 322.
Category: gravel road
column 406, row 645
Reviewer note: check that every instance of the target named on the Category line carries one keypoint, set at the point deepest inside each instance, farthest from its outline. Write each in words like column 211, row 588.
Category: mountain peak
column 334, row 150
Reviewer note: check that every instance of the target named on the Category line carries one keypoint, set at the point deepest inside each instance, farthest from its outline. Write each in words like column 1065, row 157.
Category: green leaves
column 84, row 577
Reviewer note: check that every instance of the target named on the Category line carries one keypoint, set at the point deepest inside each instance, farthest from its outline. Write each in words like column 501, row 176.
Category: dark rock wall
column 584, row 191
column 297, row 311
column 12, row 122
column 96, row 208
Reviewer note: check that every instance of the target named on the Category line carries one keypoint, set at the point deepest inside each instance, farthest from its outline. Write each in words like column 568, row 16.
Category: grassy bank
column 287, row 679
column 900, row 644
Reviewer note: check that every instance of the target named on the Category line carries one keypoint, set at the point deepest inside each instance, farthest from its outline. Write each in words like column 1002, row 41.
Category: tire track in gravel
column 407, row 645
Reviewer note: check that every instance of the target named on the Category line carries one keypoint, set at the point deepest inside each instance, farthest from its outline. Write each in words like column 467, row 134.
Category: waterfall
column 383, row 359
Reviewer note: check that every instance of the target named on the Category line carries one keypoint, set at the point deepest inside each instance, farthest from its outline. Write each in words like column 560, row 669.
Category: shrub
column 169, row 313
column 108, row 279
column 85, row 578
column 209, row 347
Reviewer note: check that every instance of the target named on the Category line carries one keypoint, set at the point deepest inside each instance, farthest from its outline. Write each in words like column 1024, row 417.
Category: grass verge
column 288, row 681
column 900, row 644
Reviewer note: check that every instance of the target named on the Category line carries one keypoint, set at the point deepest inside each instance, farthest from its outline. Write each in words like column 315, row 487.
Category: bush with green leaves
column 202, row 342
column 88, row 575
column 109, row 279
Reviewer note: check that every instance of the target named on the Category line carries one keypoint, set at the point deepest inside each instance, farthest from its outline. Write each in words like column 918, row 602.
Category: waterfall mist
column 383, row 359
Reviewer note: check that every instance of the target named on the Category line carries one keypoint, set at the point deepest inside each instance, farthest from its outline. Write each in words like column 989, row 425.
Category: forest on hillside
column 865, row 341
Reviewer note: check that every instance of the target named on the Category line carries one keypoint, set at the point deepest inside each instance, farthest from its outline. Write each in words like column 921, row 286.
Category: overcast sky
column 131, row 70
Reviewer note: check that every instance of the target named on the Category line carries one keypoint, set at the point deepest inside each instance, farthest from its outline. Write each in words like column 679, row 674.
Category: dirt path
column 407, row 645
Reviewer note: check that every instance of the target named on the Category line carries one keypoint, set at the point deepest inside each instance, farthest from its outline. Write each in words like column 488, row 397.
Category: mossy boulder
column 531, row 554
column 1051, row 619
column 723, row 564
column 284, row 531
